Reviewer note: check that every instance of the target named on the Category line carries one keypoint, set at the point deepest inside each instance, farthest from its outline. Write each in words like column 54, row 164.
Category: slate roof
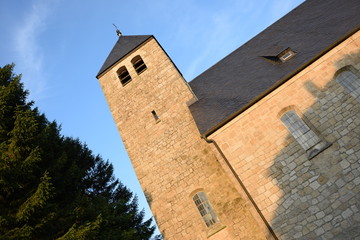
column 235, row 82
column 123, row 46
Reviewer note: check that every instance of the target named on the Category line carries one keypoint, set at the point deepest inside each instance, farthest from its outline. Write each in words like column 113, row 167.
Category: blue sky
column 60, row 45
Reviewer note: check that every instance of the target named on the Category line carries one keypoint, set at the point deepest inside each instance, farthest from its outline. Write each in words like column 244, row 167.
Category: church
column 265, row 144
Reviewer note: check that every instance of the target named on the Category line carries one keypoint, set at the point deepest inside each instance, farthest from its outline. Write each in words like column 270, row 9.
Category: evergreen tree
column 53, row 187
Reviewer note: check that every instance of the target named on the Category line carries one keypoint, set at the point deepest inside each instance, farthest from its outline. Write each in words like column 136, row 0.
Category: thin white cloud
column 30, row 56
column 220, row 30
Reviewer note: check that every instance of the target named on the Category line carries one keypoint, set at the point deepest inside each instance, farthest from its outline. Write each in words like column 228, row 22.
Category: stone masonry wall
column 171, row 161
column 301, row 198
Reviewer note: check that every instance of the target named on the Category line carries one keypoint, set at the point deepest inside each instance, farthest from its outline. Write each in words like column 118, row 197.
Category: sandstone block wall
column 301, row 198
column 171, row 161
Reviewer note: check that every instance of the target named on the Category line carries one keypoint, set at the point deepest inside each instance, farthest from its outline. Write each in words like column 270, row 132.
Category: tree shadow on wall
column 149, row 200
column 148, row 197
column 321, row 196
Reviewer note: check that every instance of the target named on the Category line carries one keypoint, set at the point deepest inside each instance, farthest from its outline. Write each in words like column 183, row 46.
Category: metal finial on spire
column 117, row 30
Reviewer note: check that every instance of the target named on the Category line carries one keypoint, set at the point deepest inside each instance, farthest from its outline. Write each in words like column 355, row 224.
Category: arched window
column 306, row 137
column 138, row 64
column 205, row 209
column 124, row 75
column 349, row 78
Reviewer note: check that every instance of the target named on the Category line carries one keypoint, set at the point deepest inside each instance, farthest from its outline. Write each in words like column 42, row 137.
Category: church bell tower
column 188, row 191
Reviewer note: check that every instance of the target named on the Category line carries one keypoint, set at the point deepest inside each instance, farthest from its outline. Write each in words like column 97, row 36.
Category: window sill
column 317, row 148
column 126, row 83
column 215, row 229
column 141, row 71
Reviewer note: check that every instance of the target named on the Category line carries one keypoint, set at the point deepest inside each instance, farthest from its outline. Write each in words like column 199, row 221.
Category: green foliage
column 86, row 231
column 53, row 187
column 37, row 200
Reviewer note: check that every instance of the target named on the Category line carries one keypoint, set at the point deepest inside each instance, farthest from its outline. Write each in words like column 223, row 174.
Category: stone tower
column 189, row 193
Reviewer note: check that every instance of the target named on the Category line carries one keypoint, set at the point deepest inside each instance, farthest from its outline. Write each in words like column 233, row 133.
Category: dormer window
column 281, row 57
column 124, row 75
column 286, row 55
column 138, row 64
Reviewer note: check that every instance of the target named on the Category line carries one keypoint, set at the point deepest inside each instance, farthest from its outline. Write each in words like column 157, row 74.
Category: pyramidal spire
column 123, row 46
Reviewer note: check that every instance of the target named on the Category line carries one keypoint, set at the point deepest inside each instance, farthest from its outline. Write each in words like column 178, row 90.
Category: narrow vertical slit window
column 156, row 117
column 138, row 64
column 349, row 78
column 306, row 137
column 124, row 75
column 205, row 209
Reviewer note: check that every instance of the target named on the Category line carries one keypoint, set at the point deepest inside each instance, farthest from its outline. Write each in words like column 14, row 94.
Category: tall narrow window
column 124, row 75
column 349, row 78
column 138, row 64
column 306, row 137
column 205, row 209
